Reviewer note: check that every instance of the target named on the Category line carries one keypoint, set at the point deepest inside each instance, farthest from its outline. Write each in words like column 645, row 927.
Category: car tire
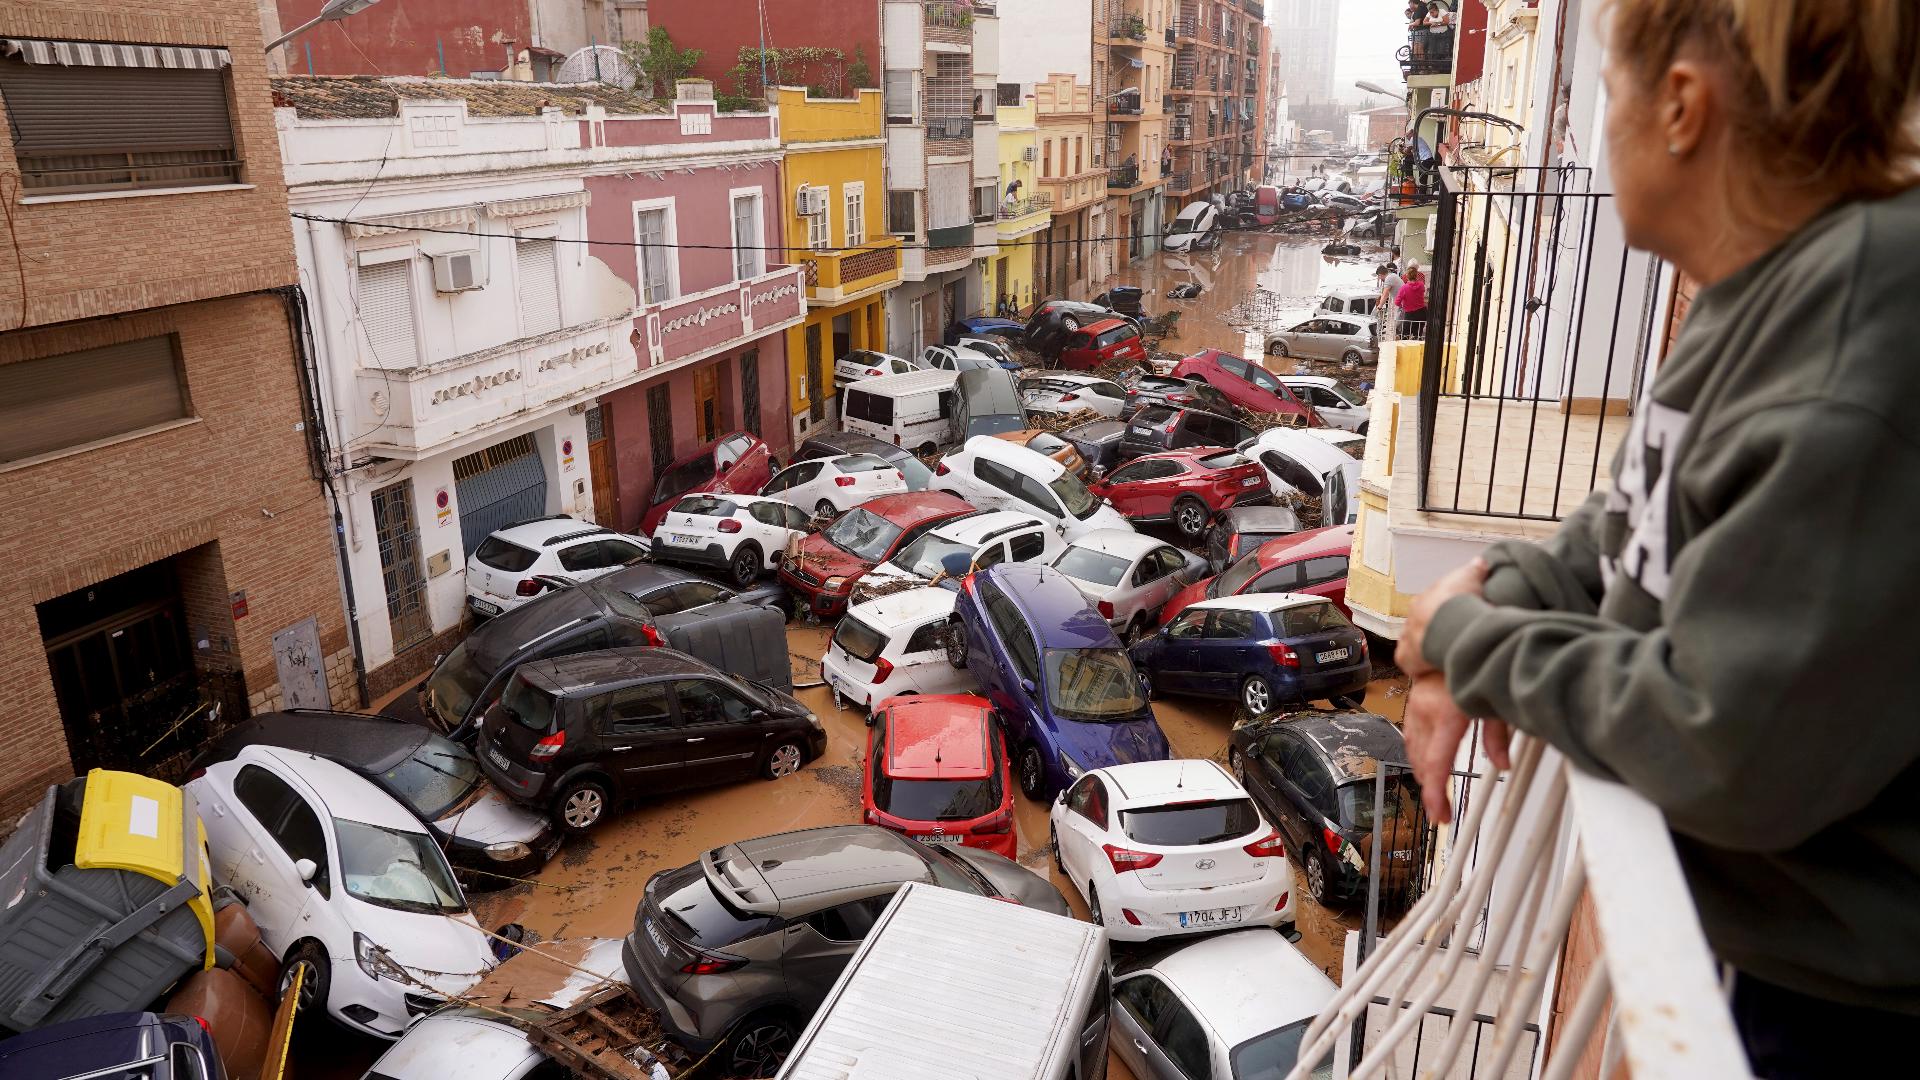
column 1351, row 356
column 1053, row 848
column 581, row 805
column 318, row 978
column 1070, row 323
column 1362, row 429
column 824, row 508
column 1146, row 683
column 746, row 563
column 1256, row 694
column 783, row 760
column 1093, row 906
column 1136, row 628
column 759, row 1045
column 1349, row 701
column 1278, row 348
column 1237, row 765
column 1191, row 517
column 1031, row 773
column 956, row 645
column 1319, row 881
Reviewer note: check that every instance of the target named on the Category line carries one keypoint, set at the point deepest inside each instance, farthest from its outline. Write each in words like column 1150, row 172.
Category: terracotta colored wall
column 407, row 37
column 700, row 216
column 721, row 27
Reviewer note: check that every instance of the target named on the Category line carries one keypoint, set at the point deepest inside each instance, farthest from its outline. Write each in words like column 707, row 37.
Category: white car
column 989, row 347
column 833, row 485
column 1060, row 393
column 1351, row 442
column 962, row 545
column 1128, row 576
column 995, row 474
column 1337, row 405
column 1298, row 462
column 467, row 1043
column 956, row 358
column 1163, row 848
column 521, row 562
column 744, row 535
column 345, row 884
column 893, row 645
column 1235, row 1004
column 865, row 364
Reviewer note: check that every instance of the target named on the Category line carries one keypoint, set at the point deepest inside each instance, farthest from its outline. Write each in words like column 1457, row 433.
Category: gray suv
column 742, row 946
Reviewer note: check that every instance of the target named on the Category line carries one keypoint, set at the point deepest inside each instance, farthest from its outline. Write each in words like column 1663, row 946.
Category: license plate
column 659, row 939
column 1332, row 654
column 483, row 607
column 1251, row 481
column 683, row 539
column 1402, row 855
column 1226, row 916
column 494, row 755
column 938, row 838
column 1137, row 430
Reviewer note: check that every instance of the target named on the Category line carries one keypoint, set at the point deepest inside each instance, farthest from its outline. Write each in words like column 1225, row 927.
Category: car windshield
column 394, row 869
column 1093, row 684
column 1111, row 338
column 506, row 557
column 1089, row 565
column 1310, row 619
column 1224, row 460
column 438, row 774
column 952, row 872
column 704, row 506
column 1044, row 443
column 862, row 534
column 859, row 463
column 1074, row 496
column 455, row 684
column 936, row 800
column 1272, row 1056
column 858, row 640
column 683, row 478
column 931, row 555
column 528, row 705
column 1236, row 576
column 1185, row 824
column 1340, row 391
column 1356, row 802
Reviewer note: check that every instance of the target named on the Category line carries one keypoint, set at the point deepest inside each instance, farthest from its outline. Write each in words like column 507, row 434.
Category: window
column 1292, row 473
column 1230, row 625
column 1027, row 546
column 1188, row 625
column 71, row 399
column 849, row 922
column 1184, row 1041
column 746, row 237
column 820, row 223
column 1079, row 154
column 871, row 408
column 80, row 125
column 1152, row 469
column 929, row 638
column 794, row 476
column 1146, row 998
column 997, row 475
column 853, row 197
column 1324, row 569
column 1279, row 579
column 703, row 701
column 1046, row 158
column 1089, row 799
column 1009, row 93
column 899, row 97
column 286, row 817
column 653, row 233
column 902, row 213
column 385, row 303
column 983, row 202
column 639, row 709
column 675, row 599
column 539, row 281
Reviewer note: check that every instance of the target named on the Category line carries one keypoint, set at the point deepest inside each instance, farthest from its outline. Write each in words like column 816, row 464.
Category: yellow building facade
column 1022, row 214
column 835, row 197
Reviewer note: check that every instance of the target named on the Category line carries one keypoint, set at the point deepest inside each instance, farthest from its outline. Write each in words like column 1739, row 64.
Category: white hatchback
column 346, row 886
column 521, row 562
column 865, row 364
column 1128, row 576
column 996, row 474
column 742, row 535
column 833, row 485
column 893, row 645
column 1061, row 393
column 1163, row 848
column 1337, row 405
column 967, row 543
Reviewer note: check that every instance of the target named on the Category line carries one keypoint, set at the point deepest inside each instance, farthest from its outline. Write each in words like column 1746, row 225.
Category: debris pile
column 1058, row 422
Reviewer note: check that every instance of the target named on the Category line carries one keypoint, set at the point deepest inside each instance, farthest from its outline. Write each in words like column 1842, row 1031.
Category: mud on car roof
column 1352, row 742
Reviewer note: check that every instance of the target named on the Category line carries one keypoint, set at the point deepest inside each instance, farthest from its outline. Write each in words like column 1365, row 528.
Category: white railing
column 1474, row 955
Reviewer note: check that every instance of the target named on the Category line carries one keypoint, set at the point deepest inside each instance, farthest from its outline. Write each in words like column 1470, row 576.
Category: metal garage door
column 498, row 486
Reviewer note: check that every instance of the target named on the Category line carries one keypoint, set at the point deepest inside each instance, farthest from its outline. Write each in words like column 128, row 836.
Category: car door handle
column 701, row 738
column 1140, row 1046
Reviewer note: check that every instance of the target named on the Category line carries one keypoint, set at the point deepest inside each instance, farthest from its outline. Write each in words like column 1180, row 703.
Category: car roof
column 795, row 873
column 1246, row 983
column 976, row 528
column 1328, row 540
column 1055, row 607
column 1074, row 377
column 1261, row 602
column 1025, row 460
column 913, row 507
column 938, row 739
column 906, row 382
column 906, row 606
column 1155, row 783
column 346, row 794
column 473, row 1046
column 1345, row 291
column 1307, row 380
column 375, row 742
column 1295, row 442
column 1261, row 518
column 1101, row 326
column 1189, row 453
column 1122, row 542
column 1352, row 742
column 575, row 672
column 546, row 532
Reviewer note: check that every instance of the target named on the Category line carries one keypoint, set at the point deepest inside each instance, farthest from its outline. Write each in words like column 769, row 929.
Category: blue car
column 1263, row 649
column 1054, row 671
column 155, row 1046
column 986, row 326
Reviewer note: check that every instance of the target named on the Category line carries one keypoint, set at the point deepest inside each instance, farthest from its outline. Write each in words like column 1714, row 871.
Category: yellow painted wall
column 1011, row 271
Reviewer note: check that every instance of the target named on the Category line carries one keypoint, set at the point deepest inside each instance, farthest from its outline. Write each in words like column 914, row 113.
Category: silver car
column 738, row 949
column 1233, row 1005
column 1349, row 339
column 1128, row 576
column 474, row 1044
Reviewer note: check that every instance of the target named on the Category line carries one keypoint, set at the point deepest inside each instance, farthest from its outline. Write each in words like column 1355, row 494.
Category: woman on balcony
column 1729, row 629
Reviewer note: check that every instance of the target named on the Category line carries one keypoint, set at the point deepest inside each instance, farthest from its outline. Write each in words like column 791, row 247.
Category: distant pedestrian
column 1390, row 282
column 1411, row 299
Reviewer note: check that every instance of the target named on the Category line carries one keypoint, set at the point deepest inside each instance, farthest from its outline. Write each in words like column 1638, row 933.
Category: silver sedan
column 1128, row 576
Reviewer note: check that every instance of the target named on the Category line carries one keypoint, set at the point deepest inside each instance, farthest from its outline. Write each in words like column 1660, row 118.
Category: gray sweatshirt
column 1731, row 629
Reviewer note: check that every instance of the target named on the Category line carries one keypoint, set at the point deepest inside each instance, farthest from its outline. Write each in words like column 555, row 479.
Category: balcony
column 1024, row 217
column 950, row 127
column 1426, row 54
column 1185, row 28
column 1179, row 183
column 1123, row 176
column 948, row 24
column 1180, row 132
column 835, row 277
column 1125, row 102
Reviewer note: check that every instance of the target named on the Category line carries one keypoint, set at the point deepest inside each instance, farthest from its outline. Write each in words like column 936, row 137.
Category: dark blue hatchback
column 1264, row 649
column 155, row 1046
column 1054, row 671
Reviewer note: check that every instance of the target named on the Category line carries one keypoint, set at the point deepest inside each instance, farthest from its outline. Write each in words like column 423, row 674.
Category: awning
column 107, row 54
column 457, row 218
column 540, row 204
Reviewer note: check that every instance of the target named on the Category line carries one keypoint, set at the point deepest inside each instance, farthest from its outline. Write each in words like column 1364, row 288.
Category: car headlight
column 833, row 584
column 375, row 962
column 508, row 852
column 1073, row 767
column 814, row 719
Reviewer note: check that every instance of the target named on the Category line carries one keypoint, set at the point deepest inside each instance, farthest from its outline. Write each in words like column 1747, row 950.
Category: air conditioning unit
column 809, row 201
column 457, row 271
column 1029, row 153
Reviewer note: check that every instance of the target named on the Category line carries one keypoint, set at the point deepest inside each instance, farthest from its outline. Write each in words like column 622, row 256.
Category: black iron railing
column 1123, row 176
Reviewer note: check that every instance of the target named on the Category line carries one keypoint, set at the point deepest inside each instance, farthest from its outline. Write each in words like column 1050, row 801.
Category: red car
column 1247, row 385
column 1187, row 487
column 936, row 772
column 822, row 573
column 738, row 463
column 1312, row 562
column 1102, row 342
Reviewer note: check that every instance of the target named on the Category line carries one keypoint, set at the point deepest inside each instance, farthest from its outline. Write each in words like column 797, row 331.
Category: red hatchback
column 1247, row 385
column 822, row 573
column 1100, row 343
column 1312, row 562
column 738, row 462
column 1187, row 487
column 936, row 772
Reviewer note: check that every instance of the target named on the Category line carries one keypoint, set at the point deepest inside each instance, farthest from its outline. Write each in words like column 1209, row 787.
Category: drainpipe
column 337, row 385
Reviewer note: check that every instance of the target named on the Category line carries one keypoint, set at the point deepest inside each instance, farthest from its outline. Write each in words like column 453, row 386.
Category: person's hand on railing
column 1409, row 652
column 1434, row 725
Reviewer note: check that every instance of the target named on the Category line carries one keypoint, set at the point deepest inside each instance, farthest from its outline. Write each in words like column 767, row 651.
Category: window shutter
column 386, row 314
column 656, row 284
column 106, row 127
column 79, row 397
column 539, row 277
column 746, row 231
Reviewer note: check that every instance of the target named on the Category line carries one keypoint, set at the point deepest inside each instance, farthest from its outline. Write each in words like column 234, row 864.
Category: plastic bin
column 104, row 900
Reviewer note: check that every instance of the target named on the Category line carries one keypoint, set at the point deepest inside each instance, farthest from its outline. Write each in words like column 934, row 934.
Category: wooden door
column 706, row 403
column 600, row 467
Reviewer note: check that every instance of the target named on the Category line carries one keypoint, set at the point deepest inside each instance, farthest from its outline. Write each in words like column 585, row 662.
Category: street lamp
column 1376, row 88
column 331, row 11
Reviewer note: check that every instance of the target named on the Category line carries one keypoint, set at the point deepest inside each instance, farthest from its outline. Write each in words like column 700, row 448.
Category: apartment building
column 513, row 40
column 1133, row 46
column 1024, row 212
column 1214, row 130
column 1049, row 60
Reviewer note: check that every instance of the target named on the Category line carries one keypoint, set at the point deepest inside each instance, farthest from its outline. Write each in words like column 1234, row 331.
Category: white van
column 911, row 410
column 1197, row 226
column 948, row 984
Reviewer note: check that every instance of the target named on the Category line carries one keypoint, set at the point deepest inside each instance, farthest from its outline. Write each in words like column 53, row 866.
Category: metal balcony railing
column 1019, row 208
column 1180, row 132
column 1126, row 104
column 950, row 127
column 1179, row 181
column 1123, row 176
column 1424, row 57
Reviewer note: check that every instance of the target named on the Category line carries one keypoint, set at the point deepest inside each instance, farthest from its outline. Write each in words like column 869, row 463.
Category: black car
column 1144, row 389
column 151, row 1046
column 577, row 733
column 1239, row 529
column 433, row 776
column 639, row 605
column 1164, row 427
column 1312, row 774
column 835, row 443
column 1098, row 442
column 1054, row 320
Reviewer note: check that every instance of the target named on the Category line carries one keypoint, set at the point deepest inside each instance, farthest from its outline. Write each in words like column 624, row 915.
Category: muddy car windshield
column 932, row 555
column 1356, row 801
column 1075, row 496
column 455, row 684
column 1236, row 576
column 401, row 870
column 438, row 774
column 1093, row 566
column 862, row 534
column 1093, row 684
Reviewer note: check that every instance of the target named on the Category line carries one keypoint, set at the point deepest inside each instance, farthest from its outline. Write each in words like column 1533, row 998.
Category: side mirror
column 1027, row 685
column 306, row 868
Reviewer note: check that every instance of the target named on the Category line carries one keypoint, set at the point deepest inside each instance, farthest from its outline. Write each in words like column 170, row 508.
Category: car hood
column 489, row 817
column 821, row 560
column 447, row 952
column 1104, row 518
column 1013, row 881
column 1097, row 746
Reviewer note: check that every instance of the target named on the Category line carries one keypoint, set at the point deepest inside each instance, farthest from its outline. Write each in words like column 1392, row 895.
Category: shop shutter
column 60, row 401
column 539, row 277
column 497, row 487
column 386, row 314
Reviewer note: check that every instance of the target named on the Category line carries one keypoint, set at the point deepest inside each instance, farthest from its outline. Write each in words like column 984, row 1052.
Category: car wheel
column 580, row 806
column 928, row 449
column 1136, row 628
column 1237, row 762
column 1362, row 429
column 1093, row 905
column 783, row 760
column 956, row 645
column 1053, row 849
column 1146, row 683
column 1070, row 323
column 1191, row 516
column 1351, row 356
column 823, row 508
column 1256, row 694
column 759, row 1045
column 746, row 563
column 311, row 961
column 1319, row 885
column 1033, row 773
column 1350, row 701
column 1278, row 348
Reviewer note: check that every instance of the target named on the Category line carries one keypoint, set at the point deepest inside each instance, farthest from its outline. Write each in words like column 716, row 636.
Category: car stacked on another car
column 1243, row 528
column 1185, row 487
column 742, row 535
column 866, row 364
column 1127, row 576
column 896, row 644
column 835, row 443
column 524, row 560
column 1247, row 385
column 1046, row 442
column 1260, row 649
column 1338, row 406
column 937, row 772
column 735, row 463
column 1145, row 388
column 952, row 549
column 1349, row 339
column 1298, row 463
column 961, row 357
column 1313, row 562
column 833, row 485
column 822, row 572
column 1099, row 344
column 1064, row 393
column 1163, row 427
column 990, row 472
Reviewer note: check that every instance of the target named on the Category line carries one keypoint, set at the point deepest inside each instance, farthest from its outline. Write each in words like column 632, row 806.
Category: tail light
column 938, row 470
column 999, row 824
column 1284, row 655
column 651, row 635
column 1125, row 859
column 1179, row 399
column 1270, row 846
column 843, row 481
column 528, row 587
column 1333, row 840
column 882, row 667
column 873, row 371
column 548, row 748
column 1171, row 424
column 1127, row 913
column 204, row 1026
column 729, row 526
column 704, row 963
column 1106, row 609
column 1281, row 904
column 1074, row 396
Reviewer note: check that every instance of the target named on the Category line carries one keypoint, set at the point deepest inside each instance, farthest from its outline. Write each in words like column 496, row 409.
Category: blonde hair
column 1826, row 89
